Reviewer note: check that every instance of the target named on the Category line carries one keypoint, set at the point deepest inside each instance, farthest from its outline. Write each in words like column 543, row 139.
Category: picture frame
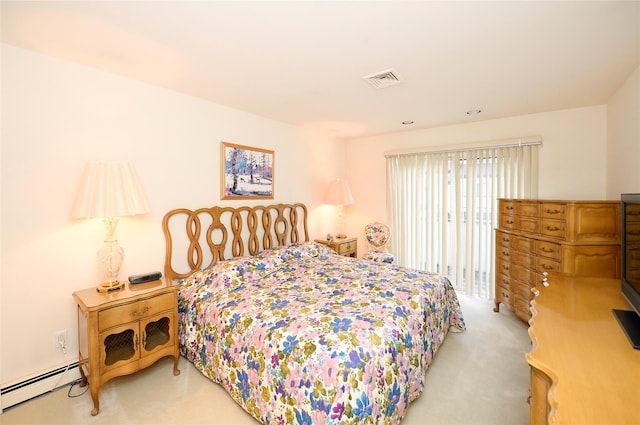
column 246, row 172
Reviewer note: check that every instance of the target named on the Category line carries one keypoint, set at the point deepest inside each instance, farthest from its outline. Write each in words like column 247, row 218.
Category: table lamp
column 109, row 190
column 339, row 194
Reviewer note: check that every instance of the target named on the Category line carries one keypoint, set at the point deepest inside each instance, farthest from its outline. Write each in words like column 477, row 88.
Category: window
column 443, row 208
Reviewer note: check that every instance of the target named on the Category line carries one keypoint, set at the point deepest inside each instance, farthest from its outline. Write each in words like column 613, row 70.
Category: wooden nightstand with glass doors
column 123, row 331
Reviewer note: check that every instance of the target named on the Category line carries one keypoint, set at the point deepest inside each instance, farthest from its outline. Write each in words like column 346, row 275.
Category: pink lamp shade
column 338, row 193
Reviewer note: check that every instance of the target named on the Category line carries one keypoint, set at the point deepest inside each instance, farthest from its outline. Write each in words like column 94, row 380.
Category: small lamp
column 110, row 190
column 339, row 194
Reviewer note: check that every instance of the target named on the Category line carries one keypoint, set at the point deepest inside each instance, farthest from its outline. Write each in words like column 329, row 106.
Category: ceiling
column 302, row 62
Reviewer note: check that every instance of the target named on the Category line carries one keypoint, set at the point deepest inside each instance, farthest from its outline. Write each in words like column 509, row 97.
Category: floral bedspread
column 300, row 335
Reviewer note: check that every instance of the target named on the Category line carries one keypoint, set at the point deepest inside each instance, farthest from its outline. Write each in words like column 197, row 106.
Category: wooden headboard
column 196, row 239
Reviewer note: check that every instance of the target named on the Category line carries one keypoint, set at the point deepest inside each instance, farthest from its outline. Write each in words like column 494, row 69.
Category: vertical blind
column 443, row 208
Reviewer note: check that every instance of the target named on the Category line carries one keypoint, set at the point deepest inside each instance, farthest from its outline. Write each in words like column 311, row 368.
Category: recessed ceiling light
column 474, row 111
column 408, row 122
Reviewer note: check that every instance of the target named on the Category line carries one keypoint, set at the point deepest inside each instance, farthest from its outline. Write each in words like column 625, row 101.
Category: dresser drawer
column 503, row 296
column 553, row 228
column 134, row 311
column 553, row 211
column 525, row 259
column 548, row 250
column 522, row 273
column 547, row 265
column 523, row 291
column 508, row 207
column 502, row 280
column 503, row 253
column 509, row 222
column 504, row 239
column 524, row 244
column 531, row 225
column 529, row 209
column 503, row 266
column 522, row 308
column 346, row 247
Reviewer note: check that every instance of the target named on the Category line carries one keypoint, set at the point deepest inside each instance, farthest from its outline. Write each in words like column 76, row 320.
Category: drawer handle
column 633, row 212
column 510, row 207
column 547, row 250
column 552, row 211
column 140, row 313
column 546, row 267
column 552, row 229
column 505, row 253
column 634, row 232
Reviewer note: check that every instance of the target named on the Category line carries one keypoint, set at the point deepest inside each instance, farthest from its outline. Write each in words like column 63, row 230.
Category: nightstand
column 124, row 331
column 343, row 246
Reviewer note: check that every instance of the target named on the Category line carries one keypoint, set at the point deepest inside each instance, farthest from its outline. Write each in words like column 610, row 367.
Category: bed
column 295, row 333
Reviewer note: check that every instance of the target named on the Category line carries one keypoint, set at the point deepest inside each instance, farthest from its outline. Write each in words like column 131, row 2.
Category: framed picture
column 245, row 172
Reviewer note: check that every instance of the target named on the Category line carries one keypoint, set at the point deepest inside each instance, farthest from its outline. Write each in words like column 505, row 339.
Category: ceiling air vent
column 383, row 79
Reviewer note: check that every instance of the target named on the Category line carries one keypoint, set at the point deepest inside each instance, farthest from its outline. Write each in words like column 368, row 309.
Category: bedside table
column 124, row 331
column 343, row 246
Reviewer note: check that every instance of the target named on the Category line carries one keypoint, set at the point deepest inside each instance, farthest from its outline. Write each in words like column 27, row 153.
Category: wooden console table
column 583, row 368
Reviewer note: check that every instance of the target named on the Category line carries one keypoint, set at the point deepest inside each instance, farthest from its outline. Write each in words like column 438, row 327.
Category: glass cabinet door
column 156, row 331
column 119, row 345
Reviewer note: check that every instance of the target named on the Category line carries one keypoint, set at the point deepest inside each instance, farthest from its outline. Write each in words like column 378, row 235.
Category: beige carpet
column 478, row 377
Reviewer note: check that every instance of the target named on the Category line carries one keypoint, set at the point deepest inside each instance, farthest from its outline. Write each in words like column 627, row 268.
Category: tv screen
column 630, row 320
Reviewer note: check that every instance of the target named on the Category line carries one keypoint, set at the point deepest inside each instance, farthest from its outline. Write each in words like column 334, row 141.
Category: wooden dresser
column 583, row 368
column 534, row 237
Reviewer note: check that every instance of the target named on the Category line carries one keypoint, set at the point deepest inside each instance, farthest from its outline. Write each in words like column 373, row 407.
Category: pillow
column 230, row 274
column 312, row 249
column 295, row 250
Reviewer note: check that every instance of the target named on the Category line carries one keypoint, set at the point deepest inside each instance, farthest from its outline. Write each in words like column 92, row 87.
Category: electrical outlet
column 61, row 339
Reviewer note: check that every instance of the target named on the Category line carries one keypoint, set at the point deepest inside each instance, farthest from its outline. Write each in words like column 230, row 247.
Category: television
column 629, row 320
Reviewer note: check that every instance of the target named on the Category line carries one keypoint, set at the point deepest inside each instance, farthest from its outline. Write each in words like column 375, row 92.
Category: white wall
column 572, row 157
column 623, row 138
column 56, row 116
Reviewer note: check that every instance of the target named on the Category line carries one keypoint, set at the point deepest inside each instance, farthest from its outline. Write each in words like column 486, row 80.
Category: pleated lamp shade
column 338, row 193
column 109, row 189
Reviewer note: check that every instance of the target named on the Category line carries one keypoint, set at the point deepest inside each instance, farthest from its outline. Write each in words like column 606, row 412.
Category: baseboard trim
column 33, row 387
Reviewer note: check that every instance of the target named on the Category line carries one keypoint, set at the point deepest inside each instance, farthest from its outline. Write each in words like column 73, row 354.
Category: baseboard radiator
column 33, row 387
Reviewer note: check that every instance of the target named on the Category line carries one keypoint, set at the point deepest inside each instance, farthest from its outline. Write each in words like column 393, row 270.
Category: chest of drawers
column 534, row 237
